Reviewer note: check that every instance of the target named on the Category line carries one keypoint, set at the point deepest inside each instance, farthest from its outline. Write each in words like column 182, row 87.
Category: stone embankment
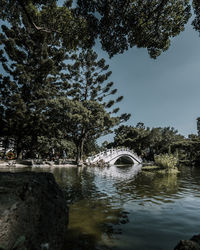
column 192, row 244
column 33, row 212
column 18, row 164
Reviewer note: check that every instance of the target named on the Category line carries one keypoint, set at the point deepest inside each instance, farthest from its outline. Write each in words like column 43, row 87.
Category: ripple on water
column 123, row 208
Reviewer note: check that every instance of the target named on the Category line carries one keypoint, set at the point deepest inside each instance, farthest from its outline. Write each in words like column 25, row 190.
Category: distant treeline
column 148, row 142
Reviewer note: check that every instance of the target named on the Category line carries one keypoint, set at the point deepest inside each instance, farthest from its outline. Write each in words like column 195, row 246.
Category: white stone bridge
column 110, row 156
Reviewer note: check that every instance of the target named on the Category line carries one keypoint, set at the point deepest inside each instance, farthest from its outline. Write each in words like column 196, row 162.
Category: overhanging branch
column 43, row 29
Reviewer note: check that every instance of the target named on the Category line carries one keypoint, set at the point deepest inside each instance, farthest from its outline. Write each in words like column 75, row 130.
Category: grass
column 166, row 161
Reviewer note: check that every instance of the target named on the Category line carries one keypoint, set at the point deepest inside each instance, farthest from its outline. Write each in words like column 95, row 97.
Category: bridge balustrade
column 109, row 154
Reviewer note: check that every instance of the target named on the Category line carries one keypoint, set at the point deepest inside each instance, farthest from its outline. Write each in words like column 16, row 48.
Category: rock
column 192, row 244
column 33, row 212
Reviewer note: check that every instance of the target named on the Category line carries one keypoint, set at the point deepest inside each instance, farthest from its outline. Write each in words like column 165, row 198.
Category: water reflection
column 94, row 220
column 94, row 224
column 117, row 207
column 152, row 186
column 124, row 208
column 189, row 181
column 117, row 172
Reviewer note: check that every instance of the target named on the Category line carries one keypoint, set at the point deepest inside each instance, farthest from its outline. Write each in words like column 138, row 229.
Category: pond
column 124, row 208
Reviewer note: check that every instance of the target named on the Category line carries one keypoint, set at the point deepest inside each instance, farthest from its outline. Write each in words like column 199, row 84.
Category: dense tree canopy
column 145, row 141
column 47, row 101
column 43, row 95
column 188, row 150
column 24, row 89
column 118, row 24
column 196, row 21
column 32, row 62
column 79, row 121
column 141, row 23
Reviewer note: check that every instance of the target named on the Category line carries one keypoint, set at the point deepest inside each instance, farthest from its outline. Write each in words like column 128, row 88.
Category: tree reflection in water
column 93, row 220
column 114, row 207
column 154, row 186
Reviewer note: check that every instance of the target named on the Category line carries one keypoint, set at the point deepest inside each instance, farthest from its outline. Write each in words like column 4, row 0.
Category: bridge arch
column 112, row 155
column 129, row 157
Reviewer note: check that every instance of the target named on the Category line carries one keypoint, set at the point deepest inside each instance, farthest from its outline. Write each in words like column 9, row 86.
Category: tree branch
column 21, row 3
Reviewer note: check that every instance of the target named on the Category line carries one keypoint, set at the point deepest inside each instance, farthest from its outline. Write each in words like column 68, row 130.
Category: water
column 124, row 208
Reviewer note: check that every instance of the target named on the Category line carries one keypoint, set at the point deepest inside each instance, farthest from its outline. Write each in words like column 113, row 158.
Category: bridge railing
column 110, row 152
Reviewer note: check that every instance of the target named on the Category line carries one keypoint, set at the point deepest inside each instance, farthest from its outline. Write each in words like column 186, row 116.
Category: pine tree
column 32, row 63
column 87, row 111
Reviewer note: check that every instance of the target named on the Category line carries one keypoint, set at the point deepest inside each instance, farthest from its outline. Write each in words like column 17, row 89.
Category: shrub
column 167, row 161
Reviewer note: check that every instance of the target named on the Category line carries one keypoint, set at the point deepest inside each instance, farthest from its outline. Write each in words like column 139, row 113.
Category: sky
column 162, row 92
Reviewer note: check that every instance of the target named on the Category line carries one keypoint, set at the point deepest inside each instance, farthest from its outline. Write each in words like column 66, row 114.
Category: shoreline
column 30, row 164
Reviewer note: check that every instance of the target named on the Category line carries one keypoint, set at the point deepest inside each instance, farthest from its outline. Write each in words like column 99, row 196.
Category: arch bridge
column 110, row 156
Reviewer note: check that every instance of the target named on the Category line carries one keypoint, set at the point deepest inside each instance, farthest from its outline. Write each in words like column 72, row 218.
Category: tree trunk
column 79, row 152
column 18, row 148
column 5, row 145
column 19, row 155
column 81, row 149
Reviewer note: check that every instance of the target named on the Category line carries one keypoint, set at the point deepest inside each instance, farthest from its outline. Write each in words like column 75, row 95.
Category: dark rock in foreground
column 33, row 211
column 192, row 244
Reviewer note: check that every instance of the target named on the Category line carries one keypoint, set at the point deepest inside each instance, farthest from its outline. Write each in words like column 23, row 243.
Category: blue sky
column 162, row 92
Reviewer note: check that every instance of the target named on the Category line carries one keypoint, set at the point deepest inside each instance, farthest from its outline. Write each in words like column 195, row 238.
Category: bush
column 167, row 161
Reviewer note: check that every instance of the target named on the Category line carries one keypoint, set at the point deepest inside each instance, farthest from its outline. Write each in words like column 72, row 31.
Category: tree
column 161, row 140
column 147, row 24
column 79, row 121
column 118, row 24
column 132, row 137
column 46, row 17
column 32, row 62
column 88, row 88
column 196, row 21
column 35, row 41
column 147, row 142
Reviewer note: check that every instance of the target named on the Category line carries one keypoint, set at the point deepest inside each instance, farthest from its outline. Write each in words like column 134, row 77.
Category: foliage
column 46, row 103
column 145, row 141
column 49, row 19
column 196, row 21
column 80, row 121
column 91, row 147
column 166, row 161
column 159, row 141
column 32, row 62
column 132, row 137
column 117, row 24
column 88, row 113
column 18, row 245
column 188, row 150
column 49, row 146
column 147, row 24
